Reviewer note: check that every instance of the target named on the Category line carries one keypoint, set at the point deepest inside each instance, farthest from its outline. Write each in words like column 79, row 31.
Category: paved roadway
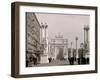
column 53, row 63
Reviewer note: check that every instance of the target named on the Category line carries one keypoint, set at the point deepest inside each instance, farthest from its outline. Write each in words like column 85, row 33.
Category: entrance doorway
column 60, row 55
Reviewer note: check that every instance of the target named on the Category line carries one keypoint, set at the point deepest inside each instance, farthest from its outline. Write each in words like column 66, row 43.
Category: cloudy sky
column 68, row 25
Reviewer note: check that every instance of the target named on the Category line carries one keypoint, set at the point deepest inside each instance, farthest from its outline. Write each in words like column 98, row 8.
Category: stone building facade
column 32, row 36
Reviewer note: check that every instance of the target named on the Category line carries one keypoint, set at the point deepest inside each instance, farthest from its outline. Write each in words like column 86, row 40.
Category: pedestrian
column 71, row 60
column 27, row 62
column 35, row 60
column 49, row 59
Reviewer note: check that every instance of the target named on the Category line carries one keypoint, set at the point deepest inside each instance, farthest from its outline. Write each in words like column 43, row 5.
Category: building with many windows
column 32, row 38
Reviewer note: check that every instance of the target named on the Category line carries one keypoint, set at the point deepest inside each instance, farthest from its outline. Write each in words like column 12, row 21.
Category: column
column 54, row 50
column 71, row 50
column 84, row 35
column 76, row 49
column 87, row 40
column 87, row 48
column 44, row 57
column 67, row 49
column 86, row 44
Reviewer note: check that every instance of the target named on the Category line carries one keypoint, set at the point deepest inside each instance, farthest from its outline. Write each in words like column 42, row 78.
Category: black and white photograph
column 57, row 39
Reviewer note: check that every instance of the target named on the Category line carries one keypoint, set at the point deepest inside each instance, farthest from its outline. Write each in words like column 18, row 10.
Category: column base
column 44, row 59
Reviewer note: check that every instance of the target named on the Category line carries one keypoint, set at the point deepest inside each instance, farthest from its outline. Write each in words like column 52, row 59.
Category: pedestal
column 44, row 59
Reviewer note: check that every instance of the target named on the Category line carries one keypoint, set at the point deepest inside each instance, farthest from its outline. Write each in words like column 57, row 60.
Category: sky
column 68, row 25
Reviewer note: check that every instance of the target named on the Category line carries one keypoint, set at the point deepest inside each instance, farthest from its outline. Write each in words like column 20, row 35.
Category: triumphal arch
column 58, row 47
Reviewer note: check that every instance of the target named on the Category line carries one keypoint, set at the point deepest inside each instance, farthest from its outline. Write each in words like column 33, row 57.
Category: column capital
column 46, row 25
column 76, row 38
column 86, row 27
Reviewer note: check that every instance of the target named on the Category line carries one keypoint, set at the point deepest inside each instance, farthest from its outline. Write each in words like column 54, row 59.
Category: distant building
column 32, row 36
column 58, row 48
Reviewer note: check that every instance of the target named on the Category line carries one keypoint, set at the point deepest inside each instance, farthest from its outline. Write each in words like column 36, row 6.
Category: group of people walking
column 79, row 61
column 31, row 60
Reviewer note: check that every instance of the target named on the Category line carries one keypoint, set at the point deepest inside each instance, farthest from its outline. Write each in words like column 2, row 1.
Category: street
column 52, row 63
